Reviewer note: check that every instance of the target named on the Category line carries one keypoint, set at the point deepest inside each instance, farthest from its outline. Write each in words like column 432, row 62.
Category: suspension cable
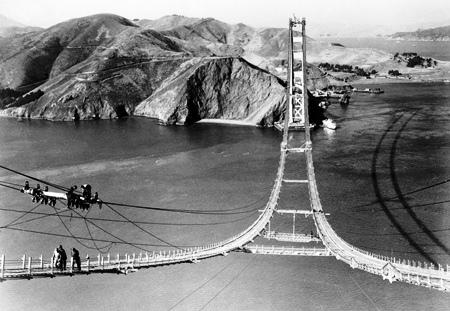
column 34, row 178
column 88, row 239
column 21, row 216
column 136, row 221
column 73, row 236
column 225, row 212
column 92, row 238
column 142, row 229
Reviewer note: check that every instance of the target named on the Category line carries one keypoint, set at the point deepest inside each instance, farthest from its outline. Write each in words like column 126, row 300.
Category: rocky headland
column 178, row 70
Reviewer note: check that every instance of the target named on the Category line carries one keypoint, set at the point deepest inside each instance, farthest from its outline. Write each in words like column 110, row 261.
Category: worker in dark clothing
column 37, row 193
column 87, row 190
column 95, row 199
column 71, row 197
column 63, row 256
column 76, row 260
column 44, row 198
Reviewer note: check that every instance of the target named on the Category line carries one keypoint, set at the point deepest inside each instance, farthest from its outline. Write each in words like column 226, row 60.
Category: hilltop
column 430, row 34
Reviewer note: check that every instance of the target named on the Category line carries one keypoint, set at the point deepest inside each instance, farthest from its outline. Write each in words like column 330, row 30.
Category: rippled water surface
column 391, row 148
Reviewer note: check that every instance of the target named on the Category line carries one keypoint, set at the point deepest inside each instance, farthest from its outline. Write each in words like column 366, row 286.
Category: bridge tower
column 297, row 95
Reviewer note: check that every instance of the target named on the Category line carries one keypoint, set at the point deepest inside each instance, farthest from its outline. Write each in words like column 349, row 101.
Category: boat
column 369, row 90
column 329, row 124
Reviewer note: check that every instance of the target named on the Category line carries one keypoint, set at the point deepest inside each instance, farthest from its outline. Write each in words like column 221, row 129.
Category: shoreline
column 393, row 80
column 380, row 80
column 227, row 122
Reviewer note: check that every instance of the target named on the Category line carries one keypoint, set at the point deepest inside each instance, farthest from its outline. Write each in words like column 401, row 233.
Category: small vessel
column 369, row 90
column 329, row 124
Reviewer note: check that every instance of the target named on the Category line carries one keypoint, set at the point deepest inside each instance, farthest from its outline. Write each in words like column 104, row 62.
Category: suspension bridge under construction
column 296, row 145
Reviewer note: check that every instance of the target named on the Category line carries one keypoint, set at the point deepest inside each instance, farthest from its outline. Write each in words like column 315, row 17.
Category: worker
column 95, row 199
column 37, row 193
column 76, row 260
column 87, row 190
column 71, row 197
column 56, row 258
column 26, row 187
column 63, row 257
column 52, row 201
column 44, row 198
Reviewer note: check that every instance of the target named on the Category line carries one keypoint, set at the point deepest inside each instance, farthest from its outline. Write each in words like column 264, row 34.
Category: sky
column 262, row 13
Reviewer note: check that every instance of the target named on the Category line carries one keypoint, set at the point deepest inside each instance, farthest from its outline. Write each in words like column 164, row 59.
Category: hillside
column 166, row 22
column 431, row 34
column 106, row 66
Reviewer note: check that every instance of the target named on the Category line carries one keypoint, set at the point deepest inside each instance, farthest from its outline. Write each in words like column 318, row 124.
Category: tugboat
column 368, row 90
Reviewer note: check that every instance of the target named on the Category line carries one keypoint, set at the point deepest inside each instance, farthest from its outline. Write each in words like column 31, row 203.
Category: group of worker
column 84, row 200
column 59, row 259
column 38, row 195
column 74, row 199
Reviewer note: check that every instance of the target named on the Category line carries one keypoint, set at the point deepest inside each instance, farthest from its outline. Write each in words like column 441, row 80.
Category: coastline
column 384, row 80
column 227, row 122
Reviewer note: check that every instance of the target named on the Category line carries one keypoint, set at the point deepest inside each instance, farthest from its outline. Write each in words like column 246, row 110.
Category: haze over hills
column 9, row 27
column 345, row 29
column 7, row 22
column 431, row 34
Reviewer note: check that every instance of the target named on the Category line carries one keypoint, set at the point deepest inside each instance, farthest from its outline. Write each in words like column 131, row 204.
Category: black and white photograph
column 225, row 155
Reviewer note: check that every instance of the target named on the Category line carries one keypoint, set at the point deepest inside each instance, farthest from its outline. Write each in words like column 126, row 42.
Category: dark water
column 212, row 167
column 435, row 49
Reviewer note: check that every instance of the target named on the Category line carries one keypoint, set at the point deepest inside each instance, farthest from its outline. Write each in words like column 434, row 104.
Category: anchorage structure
column 295, row 146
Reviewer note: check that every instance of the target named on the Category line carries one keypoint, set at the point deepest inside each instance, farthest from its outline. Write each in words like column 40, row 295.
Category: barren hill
column 430, row 34
column 106, row 66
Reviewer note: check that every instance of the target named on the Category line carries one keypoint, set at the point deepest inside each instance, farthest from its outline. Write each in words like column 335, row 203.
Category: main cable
column 231, row 211
column 35, row 178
